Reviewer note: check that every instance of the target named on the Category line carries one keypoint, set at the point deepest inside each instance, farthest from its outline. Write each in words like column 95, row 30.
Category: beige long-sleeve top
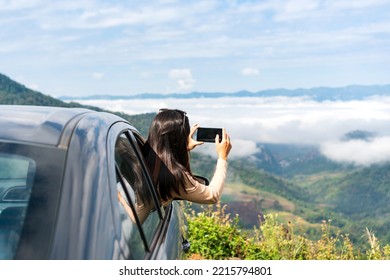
column 200, row 193
column 195, row 192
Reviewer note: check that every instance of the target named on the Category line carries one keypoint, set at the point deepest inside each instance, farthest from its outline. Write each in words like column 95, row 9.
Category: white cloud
column 180, row 74
column 250, row 72
column 244, row 148
column 183, row 78
column 241, row 148
column 358, row 152
column 297, row 7
column 33, row 86
column 356, row 4
column 10, row 5
column 97, row 75
column 208, row 37
column 146, row 74
column 281, row 120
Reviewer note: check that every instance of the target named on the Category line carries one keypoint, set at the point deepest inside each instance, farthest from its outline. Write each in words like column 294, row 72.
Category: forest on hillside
column 306, row 192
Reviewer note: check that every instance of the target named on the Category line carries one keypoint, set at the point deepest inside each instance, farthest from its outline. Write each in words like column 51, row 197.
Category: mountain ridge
column 314, row 188
column 351, row 92
column 14, row 93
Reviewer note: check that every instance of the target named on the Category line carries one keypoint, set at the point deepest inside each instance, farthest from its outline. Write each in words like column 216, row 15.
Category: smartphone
column 208, row 134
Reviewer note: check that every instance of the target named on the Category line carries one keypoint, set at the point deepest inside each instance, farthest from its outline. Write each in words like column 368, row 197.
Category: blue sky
column 89, row 47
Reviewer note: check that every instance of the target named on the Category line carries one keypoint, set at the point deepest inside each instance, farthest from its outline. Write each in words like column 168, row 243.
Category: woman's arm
column 200, row 193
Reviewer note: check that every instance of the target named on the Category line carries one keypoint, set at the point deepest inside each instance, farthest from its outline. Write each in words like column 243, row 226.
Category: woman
column 167, row 157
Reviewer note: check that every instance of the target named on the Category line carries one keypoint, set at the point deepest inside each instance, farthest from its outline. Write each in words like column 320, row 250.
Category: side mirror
column 202, row 180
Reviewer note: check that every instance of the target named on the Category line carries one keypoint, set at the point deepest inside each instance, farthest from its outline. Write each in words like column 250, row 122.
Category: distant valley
column 294, row 180
column 304, row 187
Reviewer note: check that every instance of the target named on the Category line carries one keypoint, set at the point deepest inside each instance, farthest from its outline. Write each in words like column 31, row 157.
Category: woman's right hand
column 191, row 142
column 223, row 148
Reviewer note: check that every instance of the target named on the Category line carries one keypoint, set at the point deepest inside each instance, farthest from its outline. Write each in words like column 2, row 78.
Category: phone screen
column 208, row 134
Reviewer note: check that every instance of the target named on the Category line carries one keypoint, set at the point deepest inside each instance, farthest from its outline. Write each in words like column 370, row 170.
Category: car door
column 145, row 229
column 137, row 212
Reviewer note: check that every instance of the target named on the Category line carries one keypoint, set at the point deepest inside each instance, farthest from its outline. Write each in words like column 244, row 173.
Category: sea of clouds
column 282, row 120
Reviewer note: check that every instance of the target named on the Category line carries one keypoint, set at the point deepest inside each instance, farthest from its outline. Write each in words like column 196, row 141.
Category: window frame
column 135, row 140
column 135, row 144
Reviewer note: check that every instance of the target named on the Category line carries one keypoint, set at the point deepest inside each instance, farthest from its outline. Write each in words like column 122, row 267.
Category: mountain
column 356, row 92
column 295, row 181
column 359, row 135
column 360, row 198
column 288, row 160
column 300, row 184
column 13, row 93
column 353, row 197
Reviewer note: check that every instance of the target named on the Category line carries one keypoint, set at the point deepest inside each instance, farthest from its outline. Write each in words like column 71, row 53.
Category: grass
column 216, row 235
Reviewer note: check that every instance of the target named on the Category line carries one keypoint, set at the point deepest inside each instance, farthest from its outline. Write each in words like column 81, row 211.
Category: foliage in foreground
column 214, row 235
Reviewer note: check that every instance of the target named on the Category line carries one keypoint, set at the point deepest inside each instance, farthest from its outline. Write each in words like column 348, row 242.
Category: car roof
column 36, row 124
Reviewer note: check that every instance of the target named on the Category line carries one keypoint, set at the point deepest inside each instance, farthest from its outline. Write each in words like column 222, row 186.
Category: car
column 68, row 192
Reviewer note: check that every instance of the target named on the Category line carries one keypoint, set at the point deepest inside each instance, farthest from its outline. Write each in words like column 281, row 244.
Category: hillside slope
column 361, row 196
column 14, row 93
column 308, row 190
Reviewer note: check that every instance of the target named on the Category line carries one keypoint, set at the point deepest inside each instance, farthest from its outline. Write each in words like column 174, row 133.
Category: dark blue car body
column 59, row 186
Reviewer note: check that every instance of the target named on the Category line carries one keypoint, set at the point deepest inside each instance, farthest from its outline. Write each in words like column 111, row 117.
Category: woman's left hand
column 192, row 143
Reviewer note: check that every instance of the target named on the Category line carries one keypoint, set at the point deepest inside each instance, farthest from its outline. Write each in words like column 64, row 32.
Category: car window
column 134, row 193
column 130, row 234
column 16, row 177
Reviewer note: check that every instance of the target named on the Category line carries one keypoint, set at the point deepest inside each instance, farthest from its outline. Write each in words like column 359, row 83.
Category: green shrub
column 214, row 235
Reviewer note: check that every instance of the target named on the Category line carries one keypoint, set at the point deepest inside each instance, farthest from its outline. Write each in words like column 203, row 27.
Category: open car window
column 135, row 197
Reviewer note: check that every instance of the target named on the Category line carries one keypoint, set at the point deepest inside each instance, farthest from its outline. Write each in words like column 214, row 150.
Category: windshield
column 28, row 179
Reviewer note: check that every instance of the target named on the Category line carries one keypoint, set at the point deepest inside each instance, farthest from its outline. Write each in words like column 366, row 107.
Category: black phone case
column 208, row 134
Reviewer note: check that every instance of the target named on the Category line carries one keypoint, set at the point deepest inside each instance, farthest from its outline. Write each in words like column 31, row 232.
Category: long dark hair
column 166, row 152
column 131, row 168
